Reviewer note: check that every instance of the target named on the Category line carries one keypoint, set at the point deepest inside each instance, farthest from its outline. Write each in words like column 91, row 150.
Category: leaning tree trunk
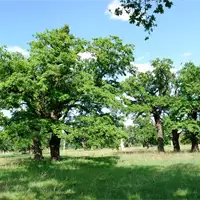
column 175, row 140
column 159, row 133
column 37, row 150
column 195, row 145
column 55, row 147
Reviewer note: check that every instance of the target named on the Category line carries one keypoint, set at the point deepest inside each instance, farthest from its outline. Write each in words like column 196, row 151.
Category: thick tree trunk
column 37, row 150
column 159, row 132
column 175, row 140
column 195, row 145
column 55, row 147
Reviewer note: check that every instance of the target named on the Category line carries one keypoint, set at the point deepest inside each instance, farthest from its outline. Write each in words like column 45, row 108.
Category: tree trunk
column 37, row 150
column 195, row 145
column 175, row 140
column 159, row 132
column 55, row 147
column 83, row 142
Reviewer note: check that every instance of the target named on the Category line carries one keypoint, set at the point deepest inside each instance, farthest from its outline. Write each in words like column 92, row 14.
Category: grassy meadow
column 133, row 174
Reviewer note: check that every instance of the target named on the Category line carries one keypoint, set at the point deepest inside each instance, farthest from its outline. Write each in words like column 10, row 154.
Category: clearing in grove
column 132, row 174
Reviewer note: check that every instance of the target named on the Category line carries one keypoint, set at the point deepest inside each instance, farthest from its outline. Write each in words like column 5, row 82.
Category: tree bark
column 54, row 144
column 195, row 145
column 175, row 140
column 37, row 150
column 159, row 132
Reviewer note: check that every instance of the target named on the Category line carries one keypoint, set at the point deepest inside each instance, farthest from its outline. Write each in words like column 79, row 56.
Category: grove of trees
column 55, row 93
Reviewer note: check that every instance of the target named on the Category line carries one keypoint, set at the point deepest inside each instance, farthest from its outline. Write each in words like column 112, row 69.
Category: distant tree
column 150, row 92
column 5, row 142
column 143, row 131
column 189, row 91
column 99, row 131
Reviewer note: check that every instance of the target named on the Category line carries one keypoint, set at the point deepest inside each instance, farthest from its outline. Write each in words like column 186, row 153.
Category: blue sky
column 176, row 37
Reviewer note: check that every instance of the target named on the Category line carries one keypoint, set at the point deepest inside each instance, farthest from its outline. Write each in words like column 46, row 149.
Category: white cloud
column 111, row 11
column 143, row 67
column 18, row 49
column 187, row 54
column 86, row 55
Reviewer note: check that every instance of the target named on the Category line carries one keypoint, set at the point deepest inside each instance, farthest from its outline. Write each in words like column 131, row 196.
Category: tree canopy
column 55, row 93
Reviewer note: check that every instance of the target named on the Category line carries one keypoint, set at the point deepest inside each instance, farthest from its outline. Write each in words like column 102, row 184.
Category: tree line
column 56, row 93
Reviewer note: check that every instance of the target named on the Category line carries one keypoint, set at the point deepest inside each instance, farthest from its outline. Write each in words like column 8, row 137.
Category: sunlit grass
column 134, row 173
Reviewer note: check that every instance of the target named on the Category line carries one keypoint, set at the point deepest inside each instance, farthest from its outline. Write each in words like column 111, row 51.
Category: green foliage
column 150, row 92
column 143, row 12
column 55, row 88
column 190, row 84
column 189, row 87
column 99, row 131
column 57, row 91
column 5, row 142
column 143, row 131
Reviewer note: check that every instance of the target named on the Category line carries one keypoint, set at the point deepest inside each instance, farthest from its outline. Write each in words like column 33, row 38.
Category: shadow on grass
column 98, row 178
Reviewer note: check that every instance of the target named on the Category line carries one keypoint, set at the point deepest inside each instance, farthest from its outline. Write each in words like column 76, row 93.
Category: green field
column 102, row 174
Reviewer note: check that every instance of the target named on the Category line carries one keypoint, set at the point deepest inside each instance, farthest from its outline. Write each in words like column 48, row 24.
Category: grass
column 102, row 174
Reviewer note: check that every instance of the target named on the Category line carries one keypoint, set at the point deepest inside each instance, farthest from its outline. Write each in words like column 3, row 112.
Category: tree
column 99, row 131
column 143, row 12
column 173, row 127
column 5, row 142
column 12, row 139
column 27, row 132
column 143, row 130
column 150, row 92
column 189, row 90
column 173, row 122
column 55, row 87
